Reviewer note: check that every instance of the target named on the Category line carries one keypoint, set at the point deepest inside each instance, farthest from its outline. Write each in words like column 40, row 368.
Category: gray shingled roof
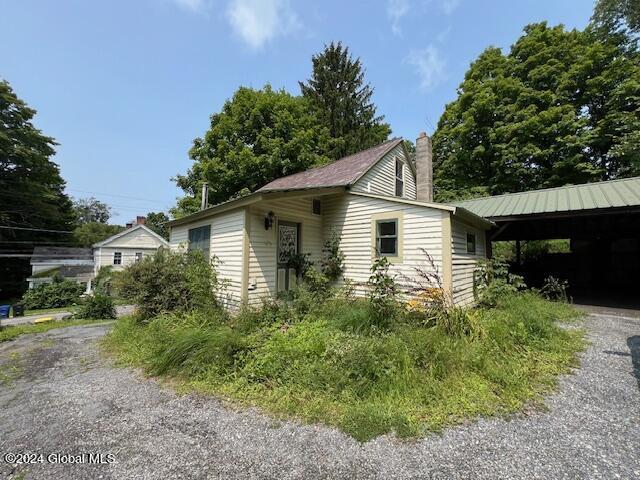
column 43, row 254
column 589, row 196
column 341, row 173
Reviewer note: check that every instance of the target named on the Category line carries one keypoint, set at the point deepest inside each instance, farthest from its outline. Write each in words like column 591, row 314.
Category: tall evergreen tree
column 561, row 107
column 342, row 101
column 31, row 191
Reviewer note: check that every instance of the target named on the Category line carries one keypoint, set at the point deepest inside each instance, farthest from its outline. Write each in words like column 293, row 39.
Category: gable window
column 138, row 256
column 387, row 238
column 399, row 178
column 316, row 206
column 471, row 243
column 117, row 258
column 199, row 239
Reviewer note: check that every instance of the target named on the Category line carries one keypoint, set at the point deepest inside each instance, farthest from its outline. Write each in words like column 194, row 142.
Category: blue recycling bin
column 4, row 311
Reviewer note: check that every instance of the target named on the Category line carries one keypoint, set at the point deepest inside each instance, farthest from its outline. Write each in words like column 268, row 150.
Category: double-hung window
column 138, row 256
column 387, row 238
column 199, row 239
column 399, row 178
column 117, row 258
column 471, row 243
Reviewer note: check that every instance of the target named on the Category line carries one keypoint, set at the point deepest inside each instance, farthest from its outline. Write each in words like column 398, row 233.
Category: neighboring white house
column 70, row 263
column 378, row 201
column 126, row 247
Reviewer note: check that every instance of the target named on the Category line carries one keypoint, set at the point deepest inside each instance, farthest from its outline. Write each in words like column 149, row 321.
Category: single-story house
column 379, row 201
column 127, row 247
column 69, row 263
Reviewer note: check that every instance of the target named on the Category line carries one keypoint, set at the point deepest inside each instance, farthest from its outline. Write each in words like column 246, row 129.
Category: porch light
column 268, row 221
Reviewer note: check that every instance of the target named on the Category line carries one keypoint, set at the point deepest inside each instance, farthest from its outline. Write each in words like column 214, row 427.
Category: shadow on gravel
column 634, row 348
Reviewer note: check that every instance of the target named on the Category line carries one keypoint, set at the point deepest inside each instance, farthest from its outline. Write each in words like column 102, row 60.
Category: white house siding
column 463, row 263
column 138, row 240
column 227, row 234
column 104, row 256
column 381, row 179
column 263, row 243
column 351, row 215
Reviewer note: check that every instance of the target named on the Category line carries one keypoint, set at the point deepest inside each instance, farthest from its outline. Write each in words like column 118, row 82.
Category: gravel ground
column 58, row 395
column 121, row 311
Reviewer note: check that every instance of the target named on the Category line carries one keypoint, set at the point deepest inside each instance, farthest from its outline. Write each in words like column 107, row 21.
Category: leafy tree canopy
column 617, row 16
column 341, row 99
column 258, row 136
column 89, row 210
column 561, row 107
column 156, row 222
column 87, row 234
column 31, row 189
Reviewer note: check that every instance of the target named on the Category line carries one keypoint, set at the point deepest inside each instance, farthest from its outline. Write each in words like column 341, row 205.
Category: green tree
column 87, row 234
column 341, row 99
column 617, row 15
column 156, row 222
column 561, row 107
column 258, row 136
column 31, row 191
column 89, row 210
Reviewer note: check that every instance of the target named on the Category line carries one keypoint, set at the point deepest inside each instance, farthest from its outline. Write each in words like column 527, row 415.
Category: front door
column 288, row 244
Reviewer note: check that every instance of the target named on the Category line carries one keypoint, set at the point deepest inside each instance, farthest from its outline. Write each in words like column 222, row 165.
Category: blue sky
column 125, row 86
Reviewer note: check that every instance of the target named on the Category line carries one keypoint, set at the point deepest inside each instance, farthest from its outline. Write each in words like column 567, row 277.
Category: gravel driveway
column 57, row 395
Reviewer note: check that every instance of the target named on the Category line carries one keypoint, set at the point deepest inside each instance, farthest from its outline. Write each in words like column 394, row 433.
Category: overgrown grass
column 11, row 332
column 327, row 363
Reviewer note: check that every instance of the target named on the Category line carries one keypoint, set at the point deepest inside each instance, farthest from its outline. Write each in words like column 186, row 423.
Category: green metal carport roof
column 571, row 198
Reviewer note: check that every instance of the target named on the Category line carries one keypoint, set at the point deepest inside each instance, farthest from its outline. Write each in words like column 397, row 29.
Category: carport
column 602, row 222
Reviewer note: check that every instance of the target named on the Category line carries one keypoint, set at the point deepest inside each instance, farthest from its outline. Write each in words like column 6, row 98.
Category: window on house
column 199, row 239
column 316, row 207
column 471, row 243
column 117, row 258
column 138, row 256
column 387, row 238
column 399, row 178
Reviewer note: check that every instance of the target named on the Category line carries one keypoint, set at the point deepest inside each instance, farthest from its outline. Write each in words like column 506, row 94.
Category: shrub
column 96, row 306
column 383, row 293
column 59, row 293
column 332, row 265
column 492, row 280
column 168, row 281
column 300, row 263
column 555, row 289
column 104, row 281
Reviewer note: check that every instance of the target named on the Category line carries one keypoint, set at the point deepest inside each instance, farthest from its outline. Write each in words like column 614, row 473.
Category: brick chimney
column 424, row 168
column 140, row 220
column 129, row 225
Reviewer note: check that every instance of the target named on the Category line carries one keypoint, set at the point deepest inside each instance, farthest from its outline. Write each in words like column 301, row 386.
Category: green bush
column 95, row 307
column 332, row 265
column 555, row 289
column 103, row 282
column 168, row 281
column 333, row 364
column 493, row 280
column 383, row 293
column 59, row 293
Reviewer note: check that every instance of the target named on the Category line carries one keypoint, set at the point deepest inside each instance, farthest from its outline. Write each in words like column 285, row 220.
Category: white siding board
column 227, row 234
column 352, row 215
column 263, row 243
column 463, row 263
column 381, row 178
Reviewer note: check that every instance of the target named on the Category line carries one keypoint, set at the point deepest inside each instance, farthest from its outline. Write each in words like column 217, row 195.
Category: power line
column 36, row 229
column 116, row 195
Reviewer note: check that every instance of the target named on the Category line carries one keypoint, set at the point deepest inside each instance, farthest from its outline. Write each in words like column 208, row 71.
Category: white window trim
column 475, row 243
column 114, row 258
column 312, row 202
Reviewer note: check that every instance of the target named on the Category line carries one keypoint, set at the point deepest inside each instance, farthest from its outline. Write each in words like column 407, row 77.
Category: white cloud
column 429, row 66
column 396, row 9
column 259, row 21
column 448, row 6
column 192, row 5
